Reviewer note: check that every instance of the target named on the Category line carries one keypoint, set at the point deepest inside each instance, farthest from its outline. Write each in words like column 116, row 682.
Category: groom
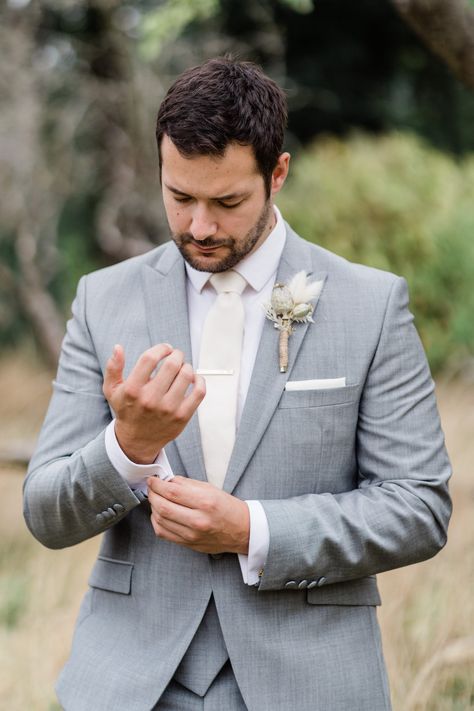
column 246, row 506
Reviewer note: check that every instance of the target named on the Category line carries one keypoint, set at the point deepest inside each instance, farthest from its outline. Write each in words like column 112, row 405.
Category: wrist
column 245, row 530
column 138, row 452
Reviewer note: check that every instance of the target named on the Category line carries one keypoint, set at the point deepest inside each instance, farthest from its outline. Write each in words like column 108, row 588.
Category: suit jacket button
column 291, row 584
column 312, row 584
column 303, row 585
column 321, row 581
column 99, row 518
column 119, row 508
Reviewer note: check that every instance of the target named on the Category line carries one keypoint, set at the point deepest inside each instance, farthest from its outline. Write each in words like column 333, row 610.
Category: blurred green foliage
column 13, row 597
column 395, row 203
column 14, row 582
column 302, row 6
column 77, row 248
column 456, row 693
column 166, row 22
column 358, row 65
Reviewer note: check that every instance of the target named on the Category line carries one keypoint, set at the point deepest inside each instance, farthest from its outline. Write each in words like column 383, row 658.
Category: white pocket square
column 321, row 384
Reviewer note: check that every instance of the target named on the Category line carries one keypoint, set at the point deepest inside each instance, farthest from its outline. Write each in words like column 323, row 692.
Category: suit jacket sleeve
column 399, row 511
column 72, row 491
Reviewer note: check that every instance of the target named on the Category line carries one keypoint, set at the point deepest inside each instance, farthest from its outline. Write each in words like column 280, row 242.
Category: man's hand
column 198, row 515
column 151, row 409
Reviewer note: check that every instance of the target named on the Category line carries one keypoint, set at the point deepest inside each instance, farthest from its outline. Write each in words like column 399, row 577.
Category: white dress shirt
column 259, row 270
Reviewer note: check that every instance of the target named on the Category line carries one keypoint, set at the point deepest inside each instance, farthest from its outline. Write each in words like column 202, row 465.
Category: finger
column 162, row 532
column 185, row 492
column 186, row 534
column 166, row 375
column 114, row 370
column 146, row 364
column 185, row 522
column 194, row 398
column 155, row 486
column 172, row 502
column 178, row 388
column 163, row 488
column 167, row 507
column 178, row 397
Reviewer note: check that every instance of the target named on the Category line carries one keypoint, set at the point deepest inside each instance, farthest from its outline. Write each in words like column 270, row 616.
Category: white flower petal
column 313, row 290
column 297, row 286
column 301, row 290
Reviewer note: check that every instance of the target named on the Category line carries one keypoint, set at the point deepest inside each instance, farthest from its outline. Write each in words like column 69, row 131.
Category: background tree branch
column 447, row 27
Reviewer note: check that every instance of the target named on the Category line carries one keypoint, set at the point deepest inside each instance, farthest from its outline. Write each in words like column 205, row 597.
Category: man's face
column 217, row 208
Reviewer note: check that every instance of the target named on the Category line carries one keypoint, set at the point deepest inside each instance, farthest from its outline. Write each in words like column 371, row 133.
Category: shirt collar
column 256, row 268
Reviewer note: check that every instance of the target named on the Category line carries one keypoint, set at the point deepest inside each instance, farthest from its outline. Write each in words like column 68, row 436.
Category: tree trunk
column 36, row 302
column 447, row 27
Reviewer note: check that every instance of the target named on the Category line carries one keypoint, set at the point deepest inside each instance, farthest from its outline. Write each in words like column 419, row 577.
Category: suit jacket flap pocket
column 111, row 574
column 362, row 591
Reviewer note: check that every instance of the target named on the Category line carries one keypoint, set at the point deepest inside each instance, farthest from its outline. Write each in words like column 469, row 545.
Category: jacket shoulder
column 351, row 273
column 130, row 266
column 126, row 275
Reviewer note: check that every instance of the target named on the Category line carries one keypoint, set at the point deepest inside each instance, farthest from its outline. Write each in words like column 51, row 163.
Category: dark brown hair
column 225, row 101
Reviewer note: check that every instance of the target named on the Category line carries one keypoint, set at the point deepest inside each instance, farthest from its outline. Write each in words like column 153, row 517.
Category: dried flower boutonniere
column 290, row 304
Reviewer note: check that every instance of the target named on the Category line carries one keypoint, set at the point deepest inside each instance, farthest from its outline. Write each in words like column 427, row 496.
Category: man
column 247, row 581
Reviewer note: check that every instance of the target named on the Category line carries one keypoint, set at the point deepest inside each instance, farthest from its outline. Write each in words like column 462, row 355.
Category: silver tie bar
column 203, row 371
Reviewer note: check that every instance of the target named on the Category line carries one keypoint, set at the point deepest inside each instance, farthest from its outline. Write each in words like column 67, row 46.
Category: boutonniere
column 290, row 304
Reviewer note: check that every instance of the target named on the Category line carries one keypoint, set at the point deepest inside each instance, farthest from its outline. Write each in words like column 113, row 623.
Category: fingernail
column 115, row 351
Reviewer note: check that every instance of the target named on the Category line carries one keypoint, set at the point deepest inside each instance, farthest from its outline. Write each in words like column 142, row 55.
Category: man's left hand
column 198, row 515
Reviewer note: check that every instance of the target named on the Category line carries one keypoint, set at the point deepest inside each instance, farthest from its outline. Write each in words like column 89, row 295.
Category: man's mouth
column 206, row 248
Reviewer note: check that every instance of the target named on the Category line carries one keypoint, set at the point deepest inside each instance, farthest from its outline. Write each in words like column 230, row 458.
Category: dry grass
column 40, row 590
column 427, row 616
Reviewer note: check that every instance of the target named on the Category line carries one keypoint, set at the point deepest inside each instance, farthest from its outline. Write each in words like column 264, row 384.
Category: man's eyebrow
column 175, row 190
column 230, row 196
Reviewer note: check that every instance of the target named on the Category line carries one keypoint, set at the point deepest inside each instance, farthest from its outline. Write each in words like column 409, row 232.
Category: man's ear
column 280, row 172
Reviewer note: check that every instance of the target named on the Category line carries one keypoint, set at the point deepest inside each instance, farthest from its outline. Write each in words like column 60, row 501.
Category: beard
column 236, row 249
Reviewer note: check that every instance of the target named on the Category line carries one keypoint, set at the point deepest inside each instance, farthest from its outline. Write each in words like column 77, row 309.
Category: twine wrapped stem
column 283, row 348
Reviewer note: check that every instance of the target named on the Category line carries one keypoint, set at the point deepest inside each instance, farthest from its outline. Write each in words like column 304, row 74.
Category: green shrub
column 394, row 203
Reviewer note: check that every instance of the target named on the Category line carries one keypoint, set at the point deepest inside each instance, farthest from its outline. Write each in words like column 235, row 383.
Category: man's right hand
column 151, row 410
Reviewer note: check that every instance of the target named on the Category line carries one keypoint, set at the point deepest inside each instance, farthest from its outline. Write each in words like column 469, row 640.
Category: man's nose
column 203, row 224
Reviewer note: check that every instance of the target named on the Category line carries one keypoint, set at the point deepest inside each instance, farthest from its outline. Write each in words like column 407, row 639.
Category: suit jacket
column 353, row 481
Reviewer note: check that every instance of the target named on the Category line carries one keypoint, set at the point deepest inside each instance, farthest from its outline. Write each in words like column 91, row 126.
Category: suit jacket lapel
column 267, row 383
column 166, row 303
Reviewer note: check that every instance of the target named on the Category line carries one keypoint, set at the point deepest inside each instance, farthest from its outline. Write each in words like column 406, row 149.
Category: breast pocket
column 319, row 398
column 319, row 429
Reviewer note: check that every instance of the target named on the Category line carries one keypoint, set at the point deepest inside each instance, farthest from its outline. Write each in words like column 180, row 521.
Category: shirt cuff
column 252, row 565
column 135, row 474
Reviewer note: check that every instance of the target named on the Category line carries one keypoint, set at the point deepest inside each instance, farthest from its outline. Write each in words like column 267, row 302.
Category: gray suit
column 353, row 481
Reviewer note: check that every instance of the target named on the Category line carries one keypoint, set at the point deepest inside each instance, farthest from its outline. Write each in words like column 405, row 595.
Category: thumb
column 114, row 370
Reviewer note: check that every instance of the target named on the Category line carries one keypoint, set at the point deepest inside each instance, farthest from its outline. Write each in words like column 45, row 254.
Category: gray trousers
column 222, row 694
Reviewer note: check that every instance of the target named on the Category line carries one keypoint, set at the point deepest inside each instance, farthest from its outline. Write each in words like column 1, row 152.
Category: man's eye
column 230, row 206
column 184, row 199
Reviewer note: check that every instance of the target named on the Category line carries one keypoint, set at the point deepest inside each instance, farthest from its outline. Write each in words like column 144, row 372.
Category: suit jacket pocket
column 362, row 591
column 111, row 574
column 319, row 398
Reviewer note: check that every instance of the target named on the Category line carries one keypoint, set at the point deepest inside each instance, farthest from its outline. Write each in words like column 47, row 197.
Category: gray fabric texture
column 223, row 695
column 205, row 656
column 353, row 481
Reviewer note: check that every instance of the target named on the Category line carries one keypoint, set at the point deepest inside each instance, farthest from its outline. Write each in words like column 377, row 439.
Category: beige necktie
column 219, row 362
